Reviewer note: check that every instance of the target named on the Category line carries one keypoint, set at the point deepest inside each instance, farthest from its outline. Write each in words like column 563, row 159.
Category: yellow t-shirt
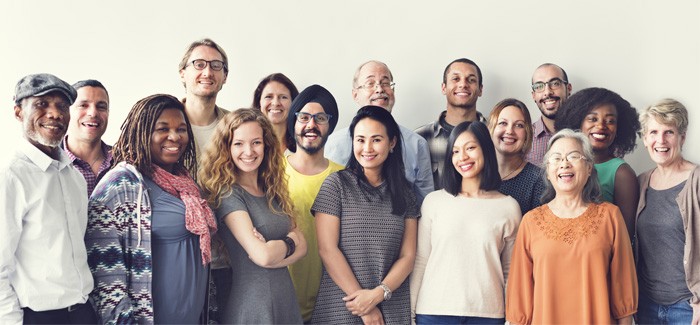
column 306, row 273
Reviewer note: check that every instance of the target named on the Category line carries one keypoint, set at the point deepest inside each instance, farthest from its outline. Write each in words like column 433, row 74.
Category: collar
column 106, row 151
column 538, row 128
column 439, row 125
column 40, row 159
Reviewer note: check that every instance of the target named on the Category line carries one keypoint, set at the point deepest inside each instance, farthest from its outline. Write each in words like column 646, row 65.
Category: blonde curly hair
column 218, row 172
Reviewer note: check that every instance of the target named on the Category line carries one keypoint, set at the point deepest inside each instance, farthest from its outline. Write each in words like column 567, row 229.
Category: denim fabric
column 437, row 319
column 650, row 312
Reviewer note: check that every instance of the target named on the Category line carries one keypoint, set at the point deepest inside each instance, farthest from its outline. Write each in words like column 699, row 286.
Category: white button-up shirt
column 43, row 217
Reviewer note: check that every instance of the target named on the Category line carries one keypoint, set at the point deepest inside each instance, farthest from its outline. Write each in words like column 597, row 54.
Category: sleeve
column 521, row 285
column 424, row 175
column 422, row 252
column 11, row 211
column 231, row 203
column 623, row 275
column 338, row 148
column 329, row 196
column 509, row 235
column 413, row 209
column 107, row 258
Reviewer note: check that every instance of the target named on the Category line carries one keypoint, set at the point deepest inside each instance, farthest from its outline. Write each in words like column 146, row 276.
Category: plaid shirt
column 437, row 135
column 84, row 167
column 540, row 138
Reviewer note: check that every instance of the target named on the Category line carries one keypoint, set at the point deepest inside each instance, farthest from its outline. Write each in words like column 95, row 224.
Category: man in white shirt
column 44, row 275
column 373, row 84
column 203, row 71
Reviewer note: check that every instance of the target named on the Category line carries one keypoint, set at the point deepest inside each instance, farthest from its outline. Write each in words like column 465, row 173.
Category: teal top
column 606, row 177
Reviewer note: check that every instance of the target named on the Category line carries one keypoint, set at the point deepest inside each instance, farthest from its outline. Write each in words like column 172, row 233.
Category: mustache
column 314, row 130
column 550, row 97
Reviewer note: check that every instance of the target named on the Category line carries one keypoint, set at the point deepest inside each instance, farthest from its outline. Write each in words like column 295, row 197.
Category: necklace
column 513, row 171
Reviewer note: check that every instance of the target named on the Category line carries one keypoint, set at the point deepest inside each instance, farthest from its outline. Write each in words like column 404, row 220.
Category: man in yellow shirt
column 312, row 118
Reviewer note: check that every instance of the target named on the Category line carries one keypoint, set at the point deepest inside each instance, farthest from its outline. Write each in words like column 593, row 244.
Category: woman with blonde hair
column 668, row 221
column 242, row 177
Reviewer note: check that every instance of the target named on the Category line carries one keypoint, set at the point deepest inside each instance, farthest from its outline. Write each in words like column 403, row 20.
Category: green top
column 606, row 177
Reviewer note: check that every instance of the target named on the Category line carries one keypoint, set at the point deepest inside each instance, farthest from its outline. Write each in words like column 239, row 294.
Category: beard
column 31, row 134
column 309, row 148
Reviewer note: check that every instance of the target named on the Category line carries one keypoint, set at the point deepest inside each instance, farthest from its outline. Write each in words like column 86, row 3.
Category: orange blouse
column 578, row 270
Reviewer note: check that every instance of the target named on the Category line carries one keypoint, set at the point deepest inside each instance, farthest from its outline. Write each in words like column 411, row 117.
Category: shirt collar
column 42, row 160
column 439, row 125
column 106, row 151
column 538, row 128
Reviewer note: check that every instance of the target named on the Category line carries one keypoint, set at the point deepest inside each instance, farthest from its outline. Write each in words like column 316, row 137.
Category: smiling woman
column 146, row 217
column 575, row 233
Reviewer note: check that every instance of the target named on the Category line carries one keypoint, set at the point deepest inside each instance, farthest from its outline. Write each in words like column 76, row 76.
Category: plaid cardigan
column 118, row 241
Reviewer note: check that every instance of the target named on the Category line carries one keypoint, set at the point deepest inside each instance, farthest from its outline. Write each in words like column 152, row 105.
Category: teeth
column 599, row 136
column 51, row 127
column 173, row 149
column 661, row 149
column 248, row 160
column 94, row 125
column 508, row 140
column 275, row 111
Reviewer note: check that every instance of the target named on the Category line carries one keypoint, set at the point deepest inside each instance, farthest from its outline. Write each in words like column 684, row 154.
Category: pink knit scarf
column 199, row 219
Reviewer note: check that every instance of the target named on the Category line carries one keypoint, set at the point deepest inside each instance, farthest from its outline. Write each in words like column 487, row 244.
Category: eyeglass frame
column 208, row 63
column 548, row 84
column 562, row 158
column 313, row 116
column 390, row 85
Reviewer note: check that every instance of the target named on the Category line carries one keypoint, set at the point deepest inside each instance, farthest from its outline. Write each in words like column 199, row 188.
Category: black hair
column 90, row 83
column 467, row 61
column 574, row 110
column 490, row 178
column 393, row 167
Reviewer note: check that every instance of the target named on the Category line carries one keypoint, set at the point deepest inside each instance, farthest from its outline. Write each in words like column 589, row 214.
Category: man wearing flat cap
column 373, row 84
column 44, row 275
column 312, row 118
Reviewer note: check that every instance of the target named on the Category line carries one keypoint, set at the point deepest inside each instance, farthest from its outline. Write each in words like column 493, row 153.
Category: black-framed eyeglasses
column 573, row 158
column 319, row 118
column 371, row 84
column 201, row 64
column 554, row 84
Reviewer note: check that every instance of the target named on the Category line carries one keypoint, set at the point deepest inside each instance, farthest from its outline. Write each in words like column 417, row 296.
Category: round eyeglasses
column 573, row 158
column 201, row 64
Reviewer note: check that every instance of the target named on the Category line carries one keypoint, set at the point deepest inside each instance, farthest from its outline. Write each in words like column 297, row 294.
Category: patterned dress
column 370, row 239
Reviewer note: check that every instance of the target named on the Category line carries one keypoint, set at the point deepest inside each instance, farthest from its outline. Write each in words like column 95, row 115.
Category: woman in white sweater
column 465, row 237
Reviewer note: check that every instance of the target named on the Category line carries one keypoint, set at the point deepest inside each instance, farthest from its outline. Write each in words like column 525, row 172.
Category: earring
column 391, row 150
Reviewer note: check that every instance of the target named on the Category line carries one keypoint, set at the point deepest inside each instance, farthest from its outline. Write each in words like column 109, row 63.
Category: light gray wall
column 644, row 50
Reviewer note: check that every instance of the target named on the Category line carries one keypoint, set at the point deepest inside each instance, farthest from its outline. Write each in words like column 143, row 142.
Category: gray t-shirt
column 258, row 295
column 661, row 237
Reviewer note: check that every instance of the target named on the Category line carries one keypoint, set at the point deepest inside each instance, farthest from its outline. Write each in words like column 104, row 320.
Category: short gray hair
column 591, row 191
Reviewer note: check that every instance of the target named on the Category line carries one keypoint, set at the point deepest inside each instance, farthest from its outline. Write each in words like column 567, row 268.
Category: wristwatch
column 387, row 291
column 291, row 246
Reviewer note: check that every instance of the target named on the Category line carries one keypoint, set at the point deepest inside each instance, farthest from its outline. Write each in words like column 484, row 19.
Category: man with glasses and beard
column 550, row 88
column 44, row 274
column 312, row 118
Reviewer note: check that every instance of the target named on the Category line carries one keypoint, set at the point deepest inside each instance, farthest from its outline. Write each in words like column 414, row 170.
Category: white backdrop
column 644, row 50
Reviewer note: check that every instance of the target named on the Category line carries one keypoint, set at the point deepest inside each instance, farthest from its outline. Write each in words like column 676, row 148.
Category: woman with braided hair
column 149, row 230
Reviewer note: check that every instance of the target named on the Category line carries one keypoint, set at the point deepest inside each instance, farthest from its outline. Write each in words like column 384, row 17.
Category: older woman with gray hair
column 572, row 261
column 668, row 221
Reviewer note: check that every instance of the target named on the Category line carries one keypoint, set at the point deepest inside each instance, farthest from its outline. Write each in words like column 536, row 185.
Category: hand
column 696, row 313
column 374, row 317
column 258, row 235
column 362, row 301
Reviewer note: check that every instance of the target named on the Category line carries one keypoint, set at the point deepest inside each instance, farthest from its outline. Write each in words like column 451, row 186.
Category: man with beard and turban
column 550, row 88
column 312, row 117
column 44, row 273
column 462, row 84
column 373, row 84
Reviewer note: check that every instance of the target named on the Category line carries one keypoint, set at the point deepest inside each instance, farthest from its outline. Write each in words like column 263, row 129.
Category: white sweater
column 463, row 257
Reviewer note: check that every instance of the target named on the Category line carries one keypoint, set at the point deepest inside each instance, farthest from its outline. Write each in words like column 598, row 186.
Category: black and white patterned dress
column 370, row 239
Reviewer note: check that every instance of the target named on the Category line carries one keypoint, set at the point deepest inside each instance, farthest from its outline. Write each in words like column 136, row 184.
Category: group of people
column 269, row 215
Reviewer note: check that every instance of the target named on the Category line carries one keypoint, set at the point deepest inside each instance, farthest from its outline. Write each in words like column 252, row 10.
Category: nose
column 509, row 129
column 367, row 146
column 55, row 112
column 173, row 135
column 311, row 123
column 92, row 110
